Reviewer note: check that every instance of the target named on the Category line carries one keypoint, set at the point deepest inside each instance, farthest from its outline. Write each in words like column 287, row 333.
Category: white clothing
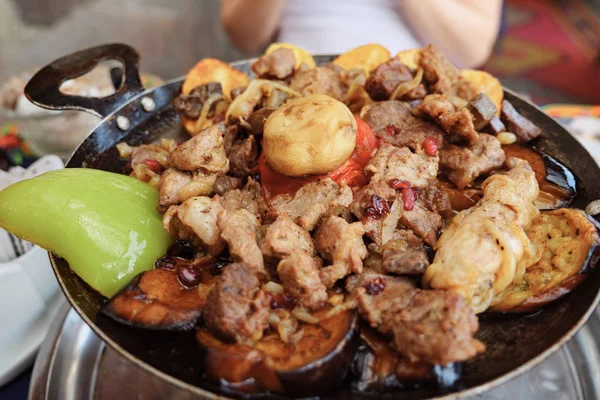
column 335, row 26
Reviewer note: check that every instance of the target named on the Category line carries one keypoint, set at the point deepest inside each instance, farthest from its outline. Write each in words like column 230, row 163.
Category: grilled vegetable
column 104, row 224
column 367, row 57
column 482, row 109
column 524, row 129
column 565, row 240
column 316, row 363
column 157, row 299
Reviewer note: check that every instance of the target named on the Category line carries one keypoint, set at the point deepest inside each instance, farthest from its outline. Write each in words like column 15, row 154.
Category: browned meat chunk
column 325, row 79
column 229, row 138
column 524, row 129
column 342, row 244
column 283, row 237
column 278, row 64
column 442, row 76
column 404, row 254
column 205, row 150
column 378, row 219
column 495, row 126
column 249, row 198
column 243, row 157
column 455, row 121
column 392, row 162
column 171, row 184
column 153, row 152
column 384, row 79
column 379, row 295
column 311, row 202
column 436, row 199
column 482, row 109
column 435, row 327
column 393, row 123
column 239, row 229
column 177, row 186
column 198, row 216
column 190, row 105
column 299, row 274
column 423, row 222
column 464, row 164
column 236, row 308
column 257, row 120
column 225, row 183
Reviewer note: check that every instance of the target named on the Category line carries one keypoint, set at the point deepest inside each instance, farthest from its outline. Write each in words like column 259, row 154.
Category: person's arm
column 465, row 30
column 250, row 24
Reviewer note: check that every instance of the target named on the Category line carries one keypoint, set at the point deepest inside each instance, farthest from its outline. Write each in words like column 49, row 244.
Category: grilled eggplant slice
column 316, row 363
column 566, row 241
column 156, row 299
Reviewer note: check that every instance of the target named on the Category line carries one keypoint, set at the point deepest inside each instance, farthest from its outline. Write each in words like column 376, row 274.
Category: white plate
column 30, row 298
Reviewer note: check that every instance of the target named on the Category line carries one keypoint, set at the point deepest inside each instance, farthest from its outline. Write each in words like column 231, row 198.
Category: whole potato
column 311, row 135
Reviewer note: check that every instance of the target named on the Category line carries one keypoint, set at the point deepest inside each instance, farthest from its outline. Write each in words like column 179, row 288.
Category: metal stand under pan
column 74, row 364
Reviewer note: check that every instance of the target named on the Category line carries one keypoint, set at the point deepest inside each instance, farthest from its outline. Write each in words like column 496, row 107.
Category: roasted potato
column 302, row 56
column 410, row 58
column 311, row 135
column 213, row 70
column 367, row 57
column 564, row 239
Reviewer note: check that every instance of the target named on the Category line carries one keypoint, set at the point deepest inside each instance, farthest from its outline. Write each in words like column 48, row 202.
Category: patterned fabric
column 550, row 50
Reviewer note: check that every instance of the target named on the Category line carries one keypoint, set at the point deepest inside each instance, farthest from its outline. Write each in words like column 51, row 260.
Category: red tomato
column 153, row 165
column 366, row 141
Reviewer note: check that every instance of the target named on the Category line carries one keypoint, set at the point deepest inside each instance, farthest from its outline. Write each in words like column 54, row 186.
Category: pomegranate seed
column 374, row 287
column 392, row 130
column 430, row 145
column 165, row 262
column 188, row 276
column 398, row 184
column 283, row 301
column 409, row 196
column 153, row 165
column 377, row 208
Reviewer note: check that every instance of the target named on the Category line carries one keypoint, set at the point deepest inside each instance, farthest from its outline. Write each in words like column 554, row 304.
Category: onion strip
column 205, row 110
column 406, row 87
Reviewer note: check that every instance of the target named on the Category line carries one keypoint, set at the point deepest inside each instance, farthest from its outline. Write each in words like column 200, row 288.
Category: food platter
column 102, row 374
column 515, row 343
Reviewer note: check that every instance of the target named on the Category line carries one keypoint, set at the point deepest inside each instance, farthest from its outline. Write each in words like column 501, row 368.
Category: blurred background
column 547, row 50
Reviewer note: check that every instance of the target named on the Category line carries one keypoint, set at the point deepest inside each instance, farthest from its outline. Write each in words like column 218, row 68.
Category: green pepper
column 104, row 224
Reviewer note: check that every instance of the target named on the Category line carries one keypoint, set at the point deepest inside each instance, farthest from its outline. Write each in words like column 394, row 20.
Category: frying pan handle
column 44, row 88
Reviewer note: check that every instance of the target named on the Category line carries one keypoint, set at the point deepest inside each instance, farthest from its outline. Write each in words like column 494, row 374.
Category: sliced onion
column 203, row 118
column 303, row 315
column 273, row 287
column 406, row 87
column 243, row 105
column 336, row 299
column 347, row 305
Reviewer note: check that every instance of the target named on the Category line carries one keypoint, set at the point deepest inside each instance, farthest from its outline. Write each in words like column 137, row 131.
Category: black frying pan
column 132, row 114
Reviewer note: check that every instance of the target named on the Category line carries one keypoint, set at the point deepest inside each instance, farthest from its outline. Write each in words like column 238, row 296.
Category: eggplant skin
column 156, row 300
column 565, row 240
column 315, row 365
